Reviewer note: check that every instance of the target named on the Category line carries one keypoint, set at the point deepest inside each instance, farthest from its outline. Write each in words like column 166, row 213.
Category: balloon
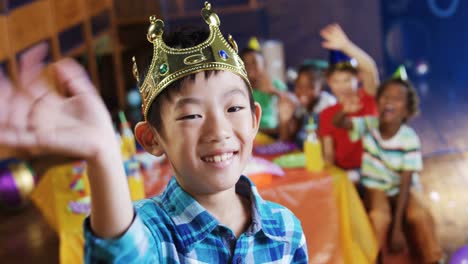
column 17, row 182
column 460, row 256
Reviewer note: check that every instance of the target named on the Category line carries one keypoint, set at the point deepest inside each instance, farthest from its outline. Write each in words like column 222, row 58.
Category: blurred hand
column 352, row 104
column 36, row 120
column 287, row 105
column 334, row 37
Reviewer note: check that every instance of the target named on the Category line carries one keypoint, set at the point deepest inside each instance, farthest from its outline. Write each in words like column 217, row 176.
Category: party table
column 334, row 221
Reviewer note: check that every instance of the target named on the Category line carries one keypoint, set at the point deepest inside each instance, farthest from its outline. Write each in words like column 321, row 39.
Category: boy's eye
column 235, row 109
column 189, row 117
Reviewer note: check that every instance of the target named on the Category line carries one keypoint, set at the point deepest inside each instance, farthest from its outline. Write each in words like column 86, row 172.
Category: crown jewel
column 170, row 64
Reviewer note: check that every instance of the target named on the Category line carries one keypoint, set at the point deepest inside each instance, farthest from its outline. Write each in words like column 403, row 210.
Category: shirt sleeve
column 412, row 159
column 279, row 85
column 136, row 245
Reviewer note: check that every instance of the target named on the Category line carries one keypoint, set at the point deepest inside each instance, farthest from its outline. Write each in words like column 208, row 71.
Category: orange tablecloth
column 332, row 216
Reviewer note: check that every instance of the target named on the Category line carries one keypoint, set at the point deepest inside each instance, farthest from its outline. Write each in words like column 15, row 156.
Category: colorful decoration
column 276, row 148
column 80, row 206
column 17, row 181
column 78, row 183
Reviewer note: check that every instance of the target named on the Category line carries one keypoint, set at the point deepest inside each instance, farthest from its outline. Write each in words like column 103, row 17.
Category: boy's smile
column 208, row 132
column 220, row 158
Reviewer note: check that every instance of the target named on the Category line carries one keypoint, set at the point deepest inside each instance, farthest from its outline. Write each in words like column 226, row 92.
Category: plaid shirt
column 175, row 228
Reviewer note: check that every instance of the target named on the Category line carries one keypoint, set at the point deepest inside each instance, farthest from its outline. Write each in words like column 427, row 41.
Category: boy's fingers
column 19, row 109
column 63, row 141
column 73, row 77
column 30, row 74
column 31, row 63
column 35, row 55
column 6, row 90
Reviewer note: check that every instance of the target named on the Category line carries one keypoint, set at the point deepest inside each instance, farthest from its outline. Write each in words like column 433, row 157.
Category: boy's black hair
column 183, row 37
column 412, row 98
column 344, row 67
column 308, row 68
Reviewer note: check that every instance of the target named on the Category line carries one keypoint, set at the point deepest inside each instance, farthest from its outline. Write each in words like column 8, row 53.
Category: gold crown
column 170, row 64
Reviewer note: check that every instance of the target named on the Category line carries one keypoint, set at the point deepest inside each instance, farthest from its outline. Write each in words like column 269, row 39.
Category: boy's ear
column 256, row 117
column 148, row 138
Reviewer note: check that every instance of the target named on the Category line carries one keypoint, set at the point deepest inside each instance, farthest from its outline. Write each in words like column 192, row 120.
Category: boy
column 199, row 112
column 342, row 77
column 308, row 101
column 265, row 91
column 390, row 166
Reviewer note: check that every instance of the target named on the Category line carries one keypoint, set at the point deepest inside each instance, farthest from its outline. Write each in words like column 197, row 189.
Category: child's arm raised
column 289, row 125
column 335, row 38
column 397, row 238
column 40, row 122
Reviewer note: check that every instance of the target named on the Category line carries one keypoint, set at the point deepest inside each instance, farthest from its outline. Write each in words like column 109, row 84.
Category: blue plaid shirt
column 174, row 228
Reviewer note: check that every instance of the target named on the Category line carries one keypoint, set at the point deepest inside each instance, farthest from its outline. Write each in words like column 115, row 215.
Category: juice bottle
column 313, row 149
column 132, row 166
column 128, row 146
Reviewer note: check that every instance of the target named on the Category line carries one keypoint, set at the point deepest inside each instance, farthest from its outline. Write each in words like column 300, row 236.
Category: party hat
column 337, row 57
column 317, row 64
column 254, row 44
column 400, row 73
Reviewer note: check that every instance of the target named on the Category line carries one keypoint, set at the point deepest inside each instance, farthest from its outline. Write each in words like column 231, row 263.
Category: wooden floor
column 26, row 238
column 446, row 183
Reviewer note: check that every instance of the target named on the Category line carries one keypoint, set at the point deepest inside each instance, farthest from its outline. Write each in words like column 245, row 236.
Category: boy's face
column 254, row 65
column 392, row 104
column 343, row 84
column 209, row 130
column 307, row 88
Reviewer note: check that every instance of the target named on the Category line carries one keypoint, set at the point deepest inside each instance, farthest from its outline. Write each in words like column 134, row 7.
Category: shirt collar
column 194, row 223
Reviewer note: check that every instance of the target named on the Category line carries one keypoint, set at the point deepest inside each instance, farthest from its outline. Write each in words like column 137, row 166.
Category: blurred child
column 265, row 90
column 204, row 121
column 342, row 77
column 390, row 166
column 308, row 101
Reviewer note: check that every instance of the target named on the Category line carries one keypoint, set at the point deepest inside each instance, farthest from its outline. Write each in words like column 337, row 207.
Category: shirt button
column 239, row 261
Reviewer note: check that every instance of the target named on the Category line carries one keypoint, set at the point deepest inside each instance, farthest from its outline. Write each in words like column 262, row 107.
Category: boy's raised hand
column 36, row 120
column 334, row 37
column 352, row 104
column 287, row 105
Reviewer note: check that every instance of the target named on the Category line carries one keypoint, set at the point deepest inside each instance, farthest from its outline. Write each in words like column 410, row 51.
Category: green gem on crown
column 163, row 68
